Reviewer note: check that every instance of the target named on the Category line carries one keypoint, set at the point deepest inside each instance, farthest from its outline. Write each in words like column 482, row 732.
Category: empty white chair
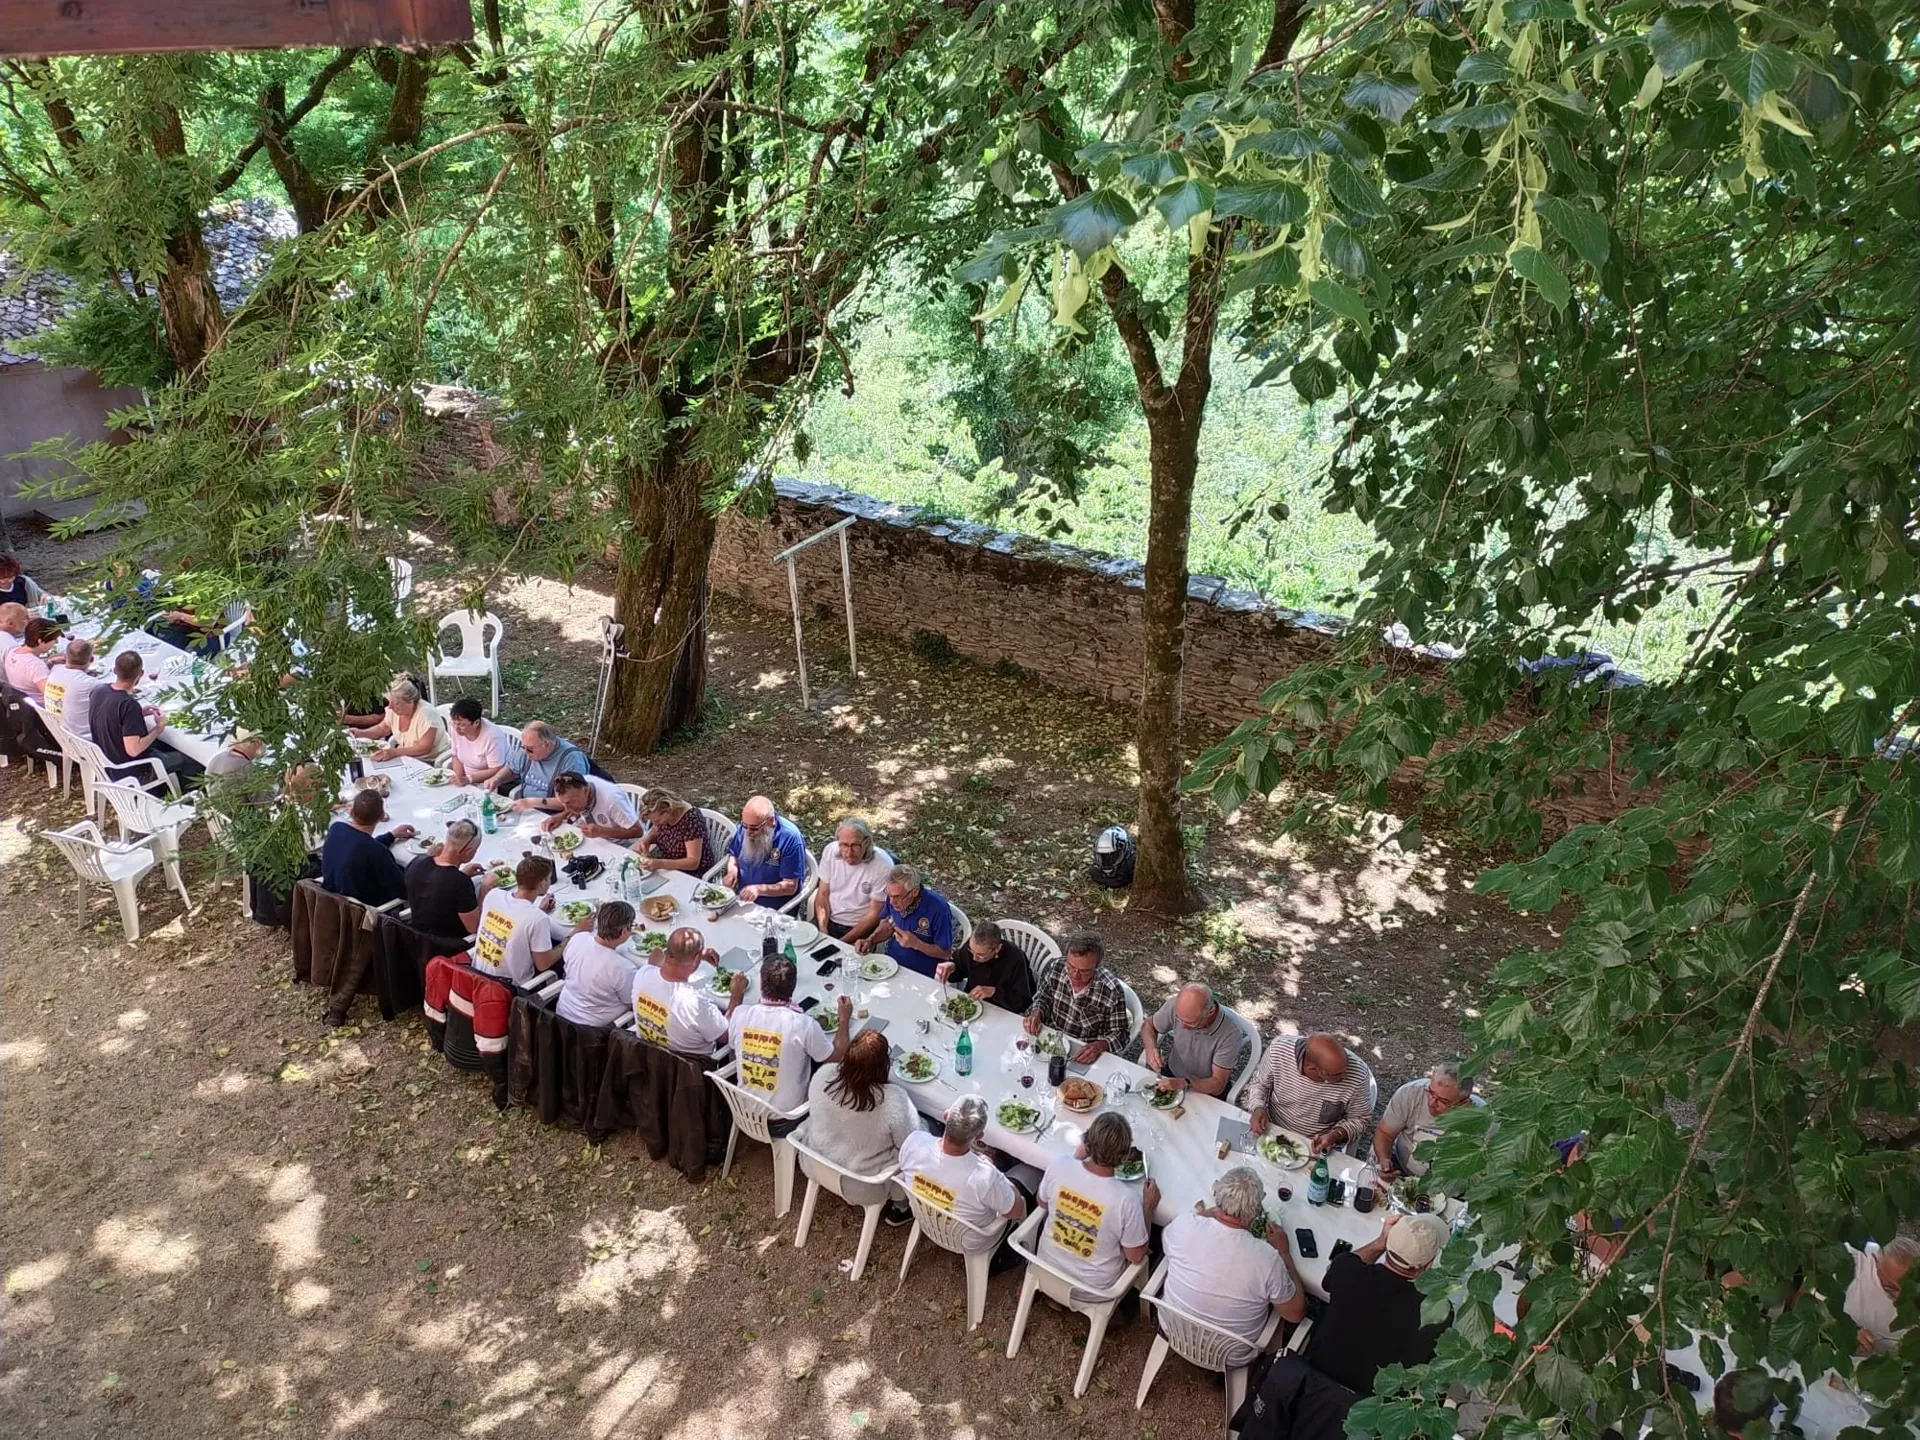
column 98, row 862
column 1097, row 1305
column 803, row 897
column 402, row 572
column 1200, row 1343
column 949, row 1232
column 1250, row 1036
column 962, row 926
column 823, row 1174
column 479, row 652
column 719, row 835
column 145, row 816
column 754, row 1115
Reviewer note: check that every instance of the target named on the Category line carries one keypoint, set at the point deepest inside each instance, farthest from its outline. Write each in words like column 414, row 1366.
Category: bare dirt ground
column 222, row 1219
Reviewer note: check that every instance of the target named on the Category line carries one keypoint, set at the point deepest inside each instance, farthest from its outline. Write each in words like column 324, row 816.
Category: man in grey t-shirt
column 1192, row 1042
column 1413, row 1115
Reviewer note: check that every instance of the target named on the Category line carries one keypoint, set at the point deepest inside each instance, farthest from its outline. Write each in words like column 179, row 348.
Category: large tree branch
column 1288, row 17
column 281, row 125
column 1175, row 19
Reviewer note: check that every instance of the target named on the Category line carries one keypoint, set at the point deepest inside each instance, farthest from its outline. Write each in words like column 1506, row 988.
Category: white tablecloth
column 168, row 669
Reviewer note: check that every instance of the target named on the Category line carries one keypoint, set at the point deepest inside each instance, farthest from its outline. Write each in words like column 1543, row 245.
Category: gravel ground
column 222, row 1219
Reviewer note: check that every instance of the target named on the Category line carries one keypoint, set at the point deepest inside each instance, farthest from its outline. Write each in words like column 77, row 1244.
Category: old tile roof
column 240, row 236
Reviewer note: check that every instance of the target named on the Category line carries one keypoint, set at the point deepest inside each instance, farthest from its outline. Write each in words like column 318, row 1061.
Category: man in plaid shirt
column 1080, row 997
column 1314, row 1085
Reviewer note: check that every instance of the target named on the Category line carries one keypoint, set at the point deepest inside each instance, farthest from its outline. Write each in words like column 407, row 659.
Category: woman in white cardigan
column 857, row 1119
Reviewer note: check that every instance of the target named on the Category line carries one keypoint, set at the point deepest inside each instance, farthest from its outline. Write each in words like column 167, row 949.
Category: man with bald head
column 1314, row 1086
column 671, row 1009
column 13, row 626
column 767, row 857
column 1191, row 1042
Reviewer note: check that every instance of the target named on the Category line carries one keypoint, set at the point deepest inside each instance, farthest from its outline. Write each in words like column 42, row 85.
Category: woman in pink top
column 26, row 663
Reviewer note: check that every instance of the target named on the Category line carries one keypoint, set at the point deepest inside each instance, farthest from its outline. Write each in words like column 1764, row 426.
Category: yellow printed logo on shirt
column 760, row 1059
column 934, row 1193
column 651, row 1017
column 496, row 929
column 1076, row 1223
column 54, row 695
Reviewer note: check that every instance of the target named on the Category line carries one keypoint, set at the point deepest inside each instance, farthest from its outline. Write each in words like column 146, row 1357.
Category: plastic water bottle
column 963, row 1053
column 1317, row 1182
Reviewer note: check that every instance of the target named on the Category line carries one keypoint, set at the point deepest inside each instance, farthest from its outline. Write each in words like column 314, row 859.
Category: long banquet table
column 169, row 669
column 1180, row 1147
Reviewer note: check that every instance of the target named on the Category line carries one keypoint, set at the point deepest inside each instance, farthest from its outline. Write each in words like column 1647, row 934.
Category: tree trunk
column 660, row 595
column 1160, row 882
column 189, row 305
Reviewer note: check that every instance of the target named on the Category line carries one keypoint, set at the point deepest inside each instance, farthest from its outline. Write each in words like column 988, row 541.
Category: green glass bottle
column 963, row 1053
column 1317, row 1182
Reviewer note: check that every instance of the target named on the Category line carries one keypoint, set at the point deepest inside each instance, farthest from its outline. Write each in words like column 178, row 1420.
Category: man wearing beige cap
column 1373, row 1305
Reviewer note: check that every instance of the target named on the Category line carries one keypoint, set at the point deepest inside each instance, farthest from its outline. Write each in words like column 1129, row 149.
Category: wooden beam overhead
column 125, row 27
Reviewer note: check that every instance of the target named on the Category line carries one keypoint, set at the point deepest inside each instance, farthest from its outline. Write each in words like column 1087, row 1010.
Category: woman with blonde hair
column 675, row 837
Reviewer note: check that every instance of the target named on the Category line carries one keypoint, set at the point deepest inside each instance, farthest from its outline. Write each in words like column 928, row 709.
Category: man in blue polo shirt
column 767, row 857
column 916, row 923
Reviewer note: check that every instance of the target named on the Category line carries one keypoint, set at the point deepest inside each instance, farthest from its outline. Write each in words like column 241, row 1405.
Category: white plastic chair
column 1097, row 1305
column 962, row 926
column 118, row 867
column 949, row 1232
column 803, row 897
column 94, row 773
column 719, row 836
column 1200, row 1343
column 753, row 1115
column 217, row 828
column 145, row 816
column 823, row 1174
column 480, row 636
column 634, row 793
column 1040, row 948
column 1250, row 1034
column 1136, row 1014
column 402, row 572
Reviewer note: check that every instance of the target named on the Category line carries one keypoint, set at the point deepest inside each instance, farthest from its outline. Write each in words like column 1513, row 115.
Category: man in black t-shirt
column 990, row 967
column 1373, row 1309
column 440, row 888
column 119, row 724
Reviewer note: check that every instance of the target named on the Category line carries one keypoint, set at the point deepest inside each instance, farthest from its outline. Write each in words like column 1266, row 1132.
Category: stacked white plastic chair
column 120, row 868
column 146, row 816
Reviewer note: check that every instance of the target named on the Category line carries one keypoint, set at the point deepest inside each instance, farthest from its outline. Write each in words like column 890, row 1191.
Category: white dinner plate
column 902, row 1076
column 803, row 933
column 878, row 967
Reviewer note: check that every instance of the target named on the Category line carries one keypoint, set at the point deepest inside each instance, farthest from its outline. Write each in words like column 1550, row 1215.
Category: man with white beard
column 767, row 858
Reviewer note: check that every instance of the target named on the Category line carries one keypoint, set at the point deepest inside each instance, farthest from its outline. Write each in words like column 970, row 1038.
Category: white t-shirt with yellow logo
column 1090, row 1218
column 777, row 1047
column 682, row 1015
column 966, row 1185
column 511, row 929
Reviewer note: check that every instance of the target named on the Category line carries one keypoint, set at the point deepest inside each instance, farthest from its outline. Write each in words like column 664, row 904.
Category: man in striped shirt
column 1315, row 1086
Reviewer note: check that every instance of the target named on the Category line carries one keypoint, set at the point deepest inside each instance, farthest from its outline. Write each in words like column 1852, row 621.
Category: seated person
column 1218, row 1271
column 674, row 834
column 440, row 888
column 409, row 727
column 25, row 665
column 598, row 807
column 916, row 924
column 1373, row 1306
column 356, row 861
column 1096, row 1225
column 17, row 588
column 1314, row 1086
column 236, row 759
column 948, row 1173
column 13, row 627
column 68, row 692
column 544, row 755
column 1873, row 1297
column 482, row 751
column 778, row 1044
column 852, row 887
column 859, row 1120
column 596, row 987
column 674, row 1011
column 990, row 968
column 516, row 939
column 767, row 858
column 1411, row 1115
column 120, row 726
column 1192, row 1043
column 1082, row 999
